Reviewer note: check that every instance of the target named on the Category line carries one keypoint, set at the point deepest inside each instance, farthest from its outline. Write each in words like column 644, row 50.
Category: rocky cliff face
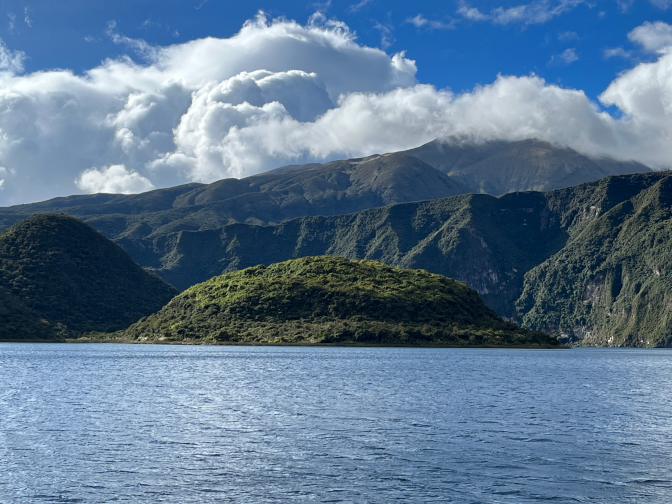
column 611, row 284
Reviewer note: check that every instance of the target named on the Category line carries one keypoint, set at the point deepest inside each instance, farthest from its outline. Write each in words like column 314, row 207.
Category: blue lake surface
column 138, row 423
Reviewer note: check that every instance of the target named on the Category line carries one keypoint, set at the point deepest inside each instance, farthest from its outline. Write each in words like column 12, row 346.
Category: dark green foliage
column 565, row 239
column 484, row 241
column 63, row 271
column 20, row 323
column 190, row 233
column 331, row 300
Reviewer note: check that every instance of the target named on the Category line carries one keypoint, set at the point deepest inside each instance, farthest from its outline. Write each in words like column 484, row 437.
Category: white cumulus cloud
column 54, row 124
column 511, row 108
column 653, row 37
column 114, row 179
column 280, row 92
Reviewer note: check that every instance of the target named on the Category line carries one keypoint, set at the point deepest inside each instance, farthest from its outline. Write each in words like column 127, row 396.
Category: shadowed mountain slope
column 528, row 165
column 20, row 323
column 66, row 273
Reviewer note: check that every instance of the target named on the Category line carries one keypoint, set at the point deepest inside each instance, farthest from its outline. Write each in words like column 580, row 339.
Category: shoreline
column 244, row 343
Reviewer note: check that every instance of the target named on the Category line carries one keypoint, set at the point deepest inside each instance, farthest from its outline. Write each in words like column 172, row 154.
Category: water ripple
column 130, row 423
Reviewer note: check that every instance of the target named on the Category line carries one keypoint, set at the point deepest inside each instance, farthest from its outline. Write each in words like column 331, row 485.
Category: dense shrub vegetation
column 331, row 300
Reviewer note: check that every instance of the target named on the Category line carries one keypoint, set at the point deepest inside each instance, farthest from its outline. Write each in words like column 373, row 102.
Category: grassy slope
column 331, row 300
column 490, row 243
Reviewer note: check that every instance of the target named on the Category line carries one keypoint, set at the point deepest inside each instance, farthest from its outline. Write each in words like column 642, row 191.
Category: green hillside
column 611, row 284
column 331, row 300
column 58, row 269
column 514, row 250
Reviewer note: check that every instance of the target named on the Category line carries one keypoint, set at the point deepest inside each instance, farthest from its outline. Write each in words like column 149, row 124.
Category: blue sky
column 127, row 96
column 458, row 53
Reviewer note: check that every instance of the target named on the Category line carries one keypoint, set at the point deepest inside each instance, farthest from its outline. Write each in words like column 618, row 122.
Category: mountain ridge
column 490, row 243
column 431, row 171
column 499, row 167
column 189, row 233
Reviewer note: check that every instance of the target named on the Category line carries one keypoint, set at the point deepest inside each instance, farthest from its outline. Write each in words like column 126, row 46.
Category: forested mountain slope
column 59, row 276
column 612, row 283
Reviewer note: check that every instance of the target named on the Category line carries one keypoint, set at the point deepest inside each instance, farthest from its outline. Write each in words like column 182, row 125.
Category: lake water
column 180, row 424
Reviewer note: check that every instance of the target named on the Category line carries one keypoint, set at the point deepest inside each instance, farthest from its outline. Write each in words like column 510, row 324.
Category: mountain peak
column 498, row 167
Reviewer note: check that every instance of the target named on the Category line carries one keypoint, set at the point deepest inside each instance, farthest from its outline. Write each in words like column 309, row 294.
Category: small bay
column 96, row 423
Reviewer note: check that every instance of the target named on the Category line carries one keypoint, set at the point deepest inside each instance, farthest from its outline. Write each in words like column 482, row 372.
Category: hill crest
column 331, row 300
column 500, row 167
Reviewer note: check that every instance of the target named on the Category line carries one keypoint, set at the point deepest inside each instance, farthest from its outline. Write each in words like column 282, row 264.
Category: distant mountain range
column 417, row 209
column 500, row 167
column 544, row 259
column 436, row 170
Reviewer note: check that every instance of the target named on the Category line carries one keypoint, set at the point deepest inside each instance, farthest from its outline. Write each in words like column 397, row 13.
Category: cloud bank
column 280, row 92
column 653, row 37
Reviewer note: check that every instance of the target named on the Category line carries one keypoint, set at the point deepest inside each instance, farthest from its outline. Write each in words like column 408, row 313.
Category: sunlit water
column 124, row 423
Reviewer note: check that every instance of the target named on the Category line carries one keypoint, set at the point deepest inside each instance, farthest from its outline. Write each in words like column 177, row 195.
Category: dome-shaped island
column 331, row 300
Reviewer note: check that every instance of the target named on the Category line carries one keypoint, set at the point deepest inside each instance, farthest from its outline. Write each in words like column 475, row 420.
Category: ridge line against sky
column 160, row 110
